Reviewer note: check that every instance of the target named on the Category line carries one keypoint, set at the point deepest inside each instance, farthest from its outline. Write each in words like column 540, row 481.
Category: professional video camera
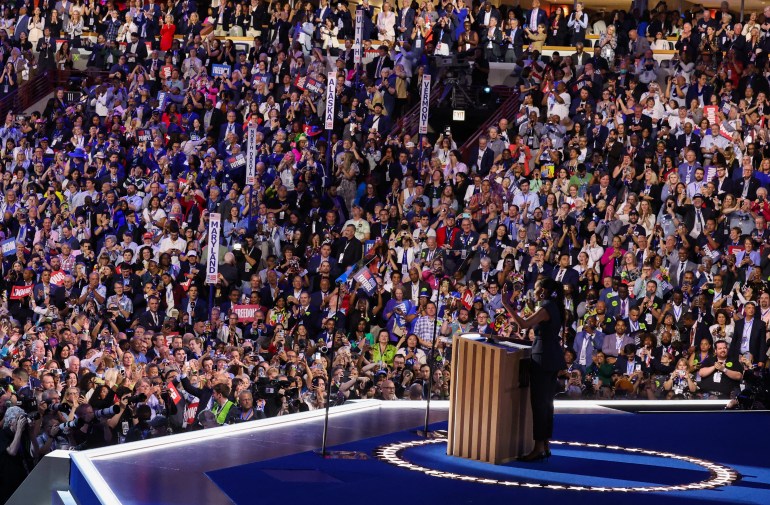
column 756, row 394
column 265, row 388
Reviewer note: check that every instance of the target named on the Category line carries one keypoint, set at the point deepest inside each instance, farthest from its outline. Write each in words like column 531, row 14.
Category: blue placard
column 8, row 247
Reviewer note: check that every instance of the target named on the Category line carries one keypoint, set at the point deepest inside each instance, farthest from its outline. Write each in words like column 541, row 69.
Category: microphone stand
column 430, row 366
column 330, row 352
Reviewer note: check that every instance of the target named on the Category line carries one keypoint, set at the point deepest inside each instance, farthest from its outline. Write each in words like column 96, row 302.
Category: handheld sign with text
column 331, row 95
column 308, row 84
column 467, row 299
column 19, row 292
column 235, row 162
column 143, row 135
column 8, row 247
column 358, row 37
column 161, row 100
column 366, row 280
column 251, row 155
column 173, row 392
column 246, row 313
column 424, row 104
column 212, row 257
column 220, row 70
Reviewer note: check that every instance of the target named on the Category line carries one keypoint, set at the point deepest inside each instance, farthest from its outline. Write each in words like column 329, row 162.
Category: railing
column 408, row 123
column 27, row 94
column 506, row 110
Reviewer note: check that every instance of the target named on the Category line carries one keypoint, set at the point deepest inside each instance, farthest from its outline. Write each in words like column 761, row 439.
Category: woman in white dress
column 386, row 23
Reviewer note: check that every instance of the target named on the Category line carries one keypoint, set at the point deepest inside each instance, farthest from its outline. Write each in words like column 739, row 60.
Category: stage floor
column 273, row 460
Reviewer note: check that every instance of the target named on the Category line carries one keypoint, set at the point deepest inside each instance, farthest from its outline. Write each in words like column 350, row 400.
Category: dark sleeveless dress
column 547, row 360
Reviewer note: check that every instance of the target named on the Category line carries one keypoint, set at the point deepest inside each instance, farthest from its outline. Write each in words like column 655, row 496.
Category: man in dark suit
column 382, row 60
column 536, row 16
column 482, row 157
column 491, row 37
column 405, row 22
column 486, row 14
column 151, row 319
column 565, row 274
column 271, row 290
column 701, row 91
column 212, row 118
column 749, row 336
column 416, row 286
column 694, row 332
column 514, row 42
column 22, row 24
column 680, row 266
column 194, row 306
column 580, row 57
column 136, row 51
column 688, row 141
column 348, row 249
column 44, row 293
column 46, row 48
column 637, row 122
column 230, row 127
column 747, row 186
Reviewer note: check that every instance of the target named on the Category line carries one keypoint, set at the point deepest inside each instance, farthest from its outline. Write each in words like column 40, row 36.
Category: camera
column 71, row 425
column 29, row 405
column 108, row 411
column 137, row 398
column 64, row 408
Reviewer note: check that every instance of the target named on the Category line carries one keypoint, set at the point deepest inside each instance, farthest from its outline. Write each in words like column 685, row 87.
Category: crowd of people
column 347, row 267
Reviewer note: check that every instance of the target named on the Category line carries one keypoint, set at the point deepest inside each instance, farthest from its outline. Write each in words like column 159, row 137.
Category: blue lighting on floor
column 738, row 440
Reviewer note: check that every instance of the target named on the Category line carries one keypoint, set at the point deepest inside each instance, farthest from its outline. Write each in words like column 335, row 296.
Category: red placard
column 246, row 313
column 173, row 392
column 467, row 299
column 19, row 292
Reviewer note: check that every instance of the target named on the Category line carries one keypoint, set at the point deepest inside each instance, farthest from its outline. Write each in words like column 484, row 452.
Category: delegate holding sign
column 212, row 258
column 331, row 88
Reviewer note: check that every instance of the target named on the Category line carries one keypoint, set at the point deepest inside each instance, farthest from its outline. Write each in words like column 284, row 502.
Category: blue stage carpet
column 739, row 440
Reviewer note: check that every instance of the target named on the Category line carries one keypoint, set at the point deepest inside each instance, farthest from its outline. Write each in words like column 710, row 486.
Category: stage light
column 720, row 475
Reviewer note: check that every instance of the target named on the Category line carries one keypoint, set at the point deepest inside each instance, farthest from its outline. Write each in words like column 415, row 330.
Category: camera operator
column 91, row 431
column 52, row 437
column 146, row 427
column 15, row 455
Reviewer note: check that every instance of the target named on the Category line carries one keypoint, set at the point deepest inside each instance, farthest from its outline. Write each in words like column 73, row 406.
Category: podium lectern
column 490, row 416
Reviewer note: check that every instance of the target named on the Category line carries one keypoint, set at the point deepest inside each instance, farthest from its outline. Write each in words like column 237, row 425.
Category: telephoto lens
column 108, row 411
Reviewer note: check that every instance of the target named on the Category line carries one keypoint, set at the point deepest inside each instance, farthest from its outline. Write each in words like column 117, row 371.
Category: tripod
column 453, row 86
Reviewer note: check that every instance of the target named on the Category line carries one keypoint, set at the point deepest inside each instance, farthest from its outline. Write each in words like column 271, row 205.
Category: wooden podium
column 490, row 416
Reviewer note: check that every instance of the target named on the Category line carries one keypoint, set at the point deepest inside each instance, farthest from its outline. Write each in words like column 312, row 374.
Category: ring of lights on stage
column 720, row 475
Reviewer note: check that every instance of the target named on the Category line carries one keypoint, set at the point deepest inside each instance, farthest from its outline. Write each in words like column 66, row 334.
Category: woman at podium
column 547, row 358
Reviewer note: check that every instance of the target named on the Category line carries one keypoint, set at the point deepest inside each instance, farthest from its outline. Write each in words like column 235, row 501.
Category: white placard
column 212, row 258
column 251, row 156
column 358, row 36
column 331, row 94
column 424, row 104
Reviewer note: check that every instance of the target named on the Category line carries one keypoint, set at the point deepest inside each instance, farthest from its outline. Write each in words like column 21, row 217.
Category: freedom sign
column 246, row 313
column 212, row 257
column 331, row 94
column 424, row 104
column 220, row 70
column 251, row 155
